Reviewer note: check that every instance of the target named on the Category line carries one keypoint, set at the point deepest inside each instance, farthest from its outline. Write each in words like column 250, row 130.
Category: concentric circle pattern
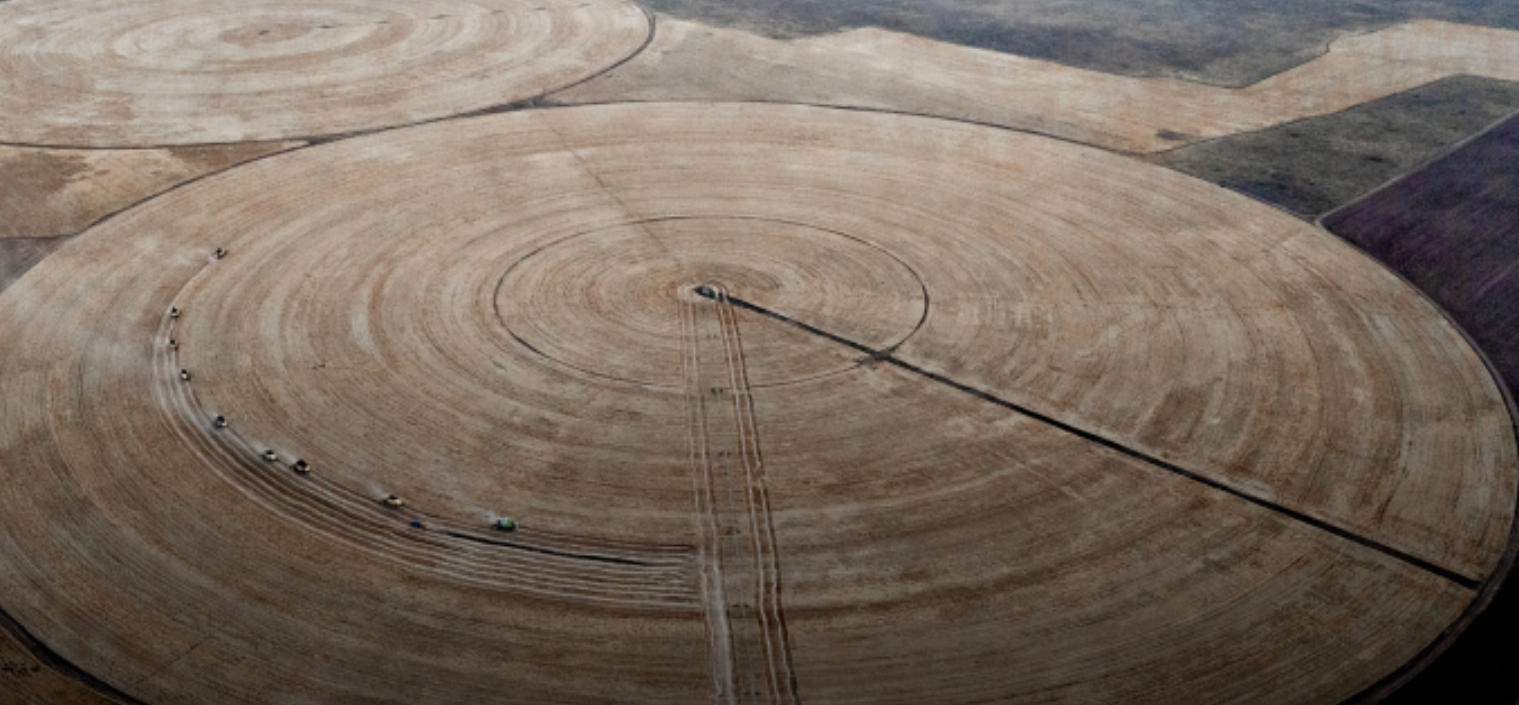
column 620, row 286
column 814, row 405
column 99, row 73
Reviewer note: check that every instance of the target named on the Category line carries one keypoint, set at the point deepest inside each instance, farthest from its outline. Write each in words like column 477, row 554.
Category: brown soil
column 50, row 192
column 880, row 70
column 265, row 70
column 1251, row 465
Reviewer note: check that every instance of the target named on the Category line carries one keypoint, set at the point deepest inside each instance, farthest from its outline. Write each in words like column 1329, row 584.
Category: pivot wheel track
column 741, row 569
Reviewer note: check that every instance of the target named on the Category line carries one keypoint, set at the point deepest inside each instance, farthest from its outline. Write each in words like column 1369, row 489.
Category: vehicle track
column 548, row 563
column 759, row 666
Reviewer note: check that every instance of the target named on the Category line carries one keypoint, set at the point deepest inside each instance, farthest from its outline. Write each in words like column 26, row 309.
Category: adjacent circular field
column 108, row 74
column 828, row 406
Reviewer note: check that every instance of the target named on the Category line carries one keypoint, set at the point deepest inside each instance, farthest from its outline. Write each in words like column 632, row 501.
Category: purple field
column 1452, row 228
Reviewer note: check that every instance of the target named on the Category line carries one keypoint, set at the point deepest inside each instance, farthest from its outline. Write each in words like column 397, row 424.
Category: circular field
column 790, row 404
column 615, row 285
column 107, row 74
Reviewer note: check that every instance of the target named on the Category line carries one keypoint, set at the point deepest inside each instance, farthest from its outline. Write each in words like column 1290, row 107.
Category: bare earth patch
column 1221, row 42
column 881, row 70
column 53, row 192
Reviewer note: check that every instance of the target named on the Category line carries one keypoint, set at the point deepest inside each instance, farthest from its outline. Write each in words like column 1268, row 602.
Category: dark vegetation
column 1452, row 229
column 1311, row 166
column 1225, row 42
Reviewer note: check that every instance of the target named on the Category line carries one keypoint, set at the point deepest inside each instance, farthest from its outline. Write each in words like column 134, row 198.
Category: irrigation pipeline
column 888, row 356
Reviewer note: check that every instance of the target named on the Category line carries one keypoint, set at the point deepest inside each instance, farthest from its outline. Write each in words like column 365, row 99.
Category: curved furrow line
column 386, row 537
column 773, row 517
column 174, row 72
column 335, row 512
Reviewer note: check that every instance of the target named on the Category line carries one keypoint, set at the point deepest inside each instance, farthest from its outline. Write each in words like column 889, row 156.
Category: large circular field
column 103, row 73
column 790, row 405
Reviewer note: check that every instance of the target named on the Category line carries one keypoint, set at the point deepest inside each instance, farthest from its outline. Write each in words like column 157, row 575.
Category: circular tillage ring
column 578, row 300
column 909, row 410
column 109, row 74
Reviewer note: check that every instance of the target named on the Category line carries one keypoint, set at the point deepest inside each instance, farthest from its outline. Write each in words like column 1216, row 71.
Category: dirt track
column 406, row 329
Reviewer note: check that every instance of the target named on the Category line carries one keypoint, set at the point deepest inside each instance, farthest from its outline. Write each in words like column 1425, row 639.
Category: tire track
column 709, row 548
column 545, row 563
column 753, row 636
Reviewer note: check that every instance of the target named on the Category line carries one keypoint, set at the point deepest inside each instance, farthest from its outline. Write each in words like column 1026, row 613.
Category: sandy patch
column 881, row 70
